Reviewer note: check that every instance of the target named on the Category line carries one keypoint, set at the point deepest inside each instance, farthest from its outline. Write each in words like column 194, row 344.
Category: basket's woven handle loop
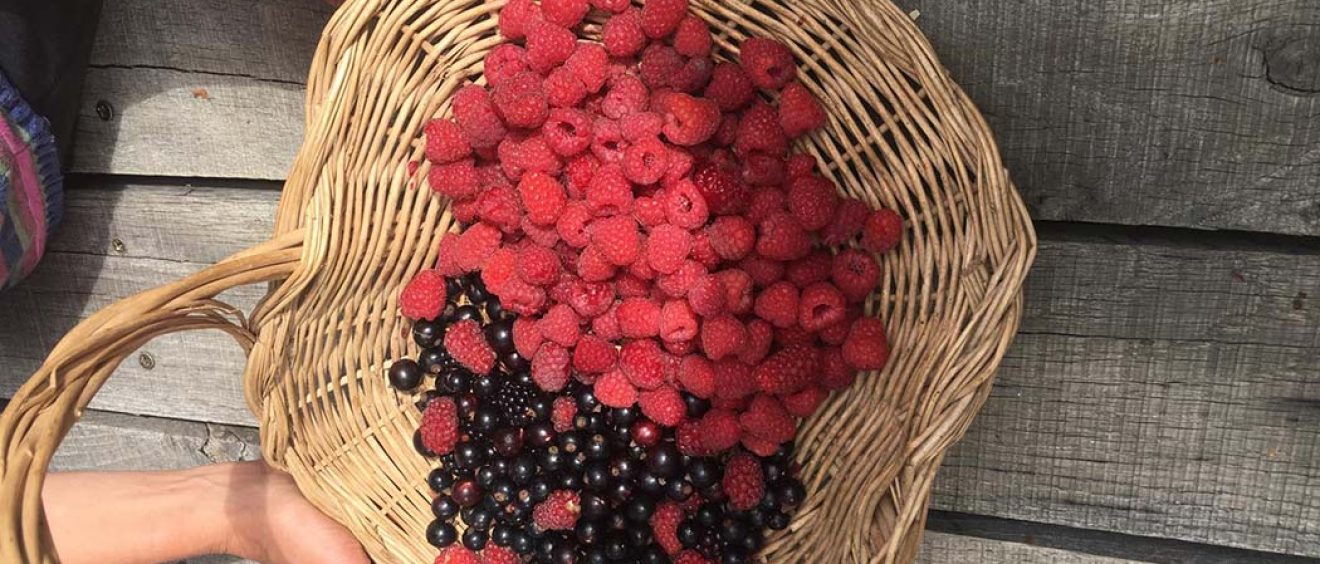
column 44, row 409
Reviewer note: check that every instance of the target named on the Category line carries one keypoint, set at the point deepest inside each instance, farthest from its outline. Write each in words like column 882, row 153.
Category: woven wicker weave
column 353, row 226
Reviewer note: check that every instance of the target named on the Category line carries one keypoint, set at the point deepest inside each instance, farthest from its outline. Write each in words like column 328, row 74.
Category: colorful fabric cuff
column 31, row 186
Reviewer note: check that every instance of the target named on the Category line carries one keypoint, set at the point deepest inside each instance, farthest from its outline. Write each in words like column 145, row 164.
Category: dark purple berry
column 405, row 374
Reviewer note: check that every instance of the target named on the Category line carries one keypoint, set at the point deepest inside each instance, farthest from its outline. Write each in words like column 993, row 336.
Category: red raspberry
column 543, row 236
column 778, row 304
column 680, row 166
column 542, row 196
column 465, row 211
column 456, row 180
column 732, row 237
column 805, row 402
column 538, row 265
column 639, row 318
column 730, row 87
column 866, row 348
column 697, row 375
column 787, row 371
column 722, row 336
column 726, row 132
column 641, row 126
column 424, row 296
column 664, row 526
column 563, row 89
column 835, row 374
column 439, row 428
column 733, row 380
column 630, row 286
column 567, row 13
column 882, row 231
column 591, row 299
column 612, row 6
column 821, row 305
column 856, row 274
column 446, row 263
column 499, row 208
column 847, row 222
column 590, row 63
column 706, row 297
column 737, row 291
column 548, row 46
column 808, row 270
column 617, row 239
column 667, row 248
column 813, row 200
column 663, row 405
column 560, row 324
column 614, row 390
column 622, row 35
column 519, row 156
column 680, row 348
column 445, row 141
column 643, row 363
column 646, row 161
column 688, row 440
column 702, row 251
column 768, row 62
column 725, row 194
column 467, row 344
column 763, row 271
column 521, row 100
column 765, row 203
column 692, row 38
column 550, row 366
column 719, row 430
column 688, row 120
column 766, row 418
column 677, row 322
column 572, row 224
column 500, row 270
column 693, row 76
column 800, row 164
column 743, row 482
column 690, row 557
column 799, row 111
column 562, row 413
column 760, row 335
column 836, row 334
column 592, row 265
column 457, row 554
column 498, row 555
column 522, row 298
column 684, row 205
column 759, row 132
column 649, row 212
column 606, row 325
column 610, row 192
column 760, row 169
column 504, row 61
column 759, row 446
column 782, row 238
column 475, row 113
column 578, row 174
column 594, row 355
column 558, row 512
column 475, row 244
column 516, row 17
column 794, row 335
column 661, row 17
column 677, row 283
column 659, row 65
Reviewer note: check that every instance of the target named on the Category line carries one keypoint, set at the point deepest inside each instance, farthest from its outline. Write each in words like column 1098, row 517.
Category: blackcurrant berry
column 439, row 479
column 639, row 508
column 664, row 460
column 500, row 335
column 441, row 534
column 778, row 521
column 508, row 441
column 405, row 374
column 791, row 493
column 467, row 493
column 444, row 507
column 703, row 472
column 474, row 539
column 485, row 385
column 540, row 434
column 467, row 312
column 428, row 334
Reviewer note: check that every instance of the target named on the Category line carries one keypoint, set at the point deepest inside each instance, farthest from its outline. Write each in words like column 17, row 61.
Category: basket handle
column 44, row 409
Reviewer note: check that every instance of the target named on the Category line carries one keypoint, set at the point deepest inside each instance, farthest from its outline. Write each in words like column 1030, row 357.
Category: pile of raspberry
column 640, row 208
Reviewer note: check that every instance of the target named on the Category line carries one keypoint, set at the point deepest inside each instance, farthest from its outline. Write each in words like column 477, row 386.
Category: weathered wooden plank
column 1158, row 389
column 202, row 89
column 944, row 548
column 1197, row 114
column 104, row 441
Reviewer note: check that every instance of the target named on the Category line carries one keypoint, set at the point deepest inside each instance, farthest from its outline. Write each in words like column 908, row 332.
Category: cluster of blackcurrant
column 616, row 467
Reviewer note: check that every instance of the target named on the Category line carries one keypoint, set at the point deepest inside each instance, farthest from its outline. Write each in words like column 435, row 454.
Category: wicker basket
column 353, row 225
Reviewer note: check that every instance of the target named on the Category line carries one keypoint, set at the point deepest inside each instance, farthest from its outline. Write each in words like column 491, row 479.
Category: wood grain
column 1196, row 114
column 205, row 88
column 103, row 441
column 1158, row 389
column 944, row 548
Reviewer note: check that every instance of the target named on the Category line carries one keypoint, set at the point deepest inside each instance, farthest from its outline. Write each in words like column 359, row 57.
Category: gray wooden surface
column 1163, row 385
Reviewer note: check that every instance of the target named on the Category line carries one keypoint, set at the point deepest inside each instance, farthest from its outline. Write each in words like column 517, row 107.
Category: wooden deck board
column 1172, row 396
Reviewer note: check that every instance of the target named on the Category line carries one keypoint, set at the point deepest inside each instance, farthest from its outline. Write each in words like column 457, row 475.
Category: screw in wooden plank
column 118, row 246
column 104, row 110
column 146, row 360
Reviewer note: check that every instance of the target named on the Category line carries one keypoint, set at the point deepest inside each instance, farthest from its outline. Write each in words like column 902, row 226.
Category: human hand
column 270, row 521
